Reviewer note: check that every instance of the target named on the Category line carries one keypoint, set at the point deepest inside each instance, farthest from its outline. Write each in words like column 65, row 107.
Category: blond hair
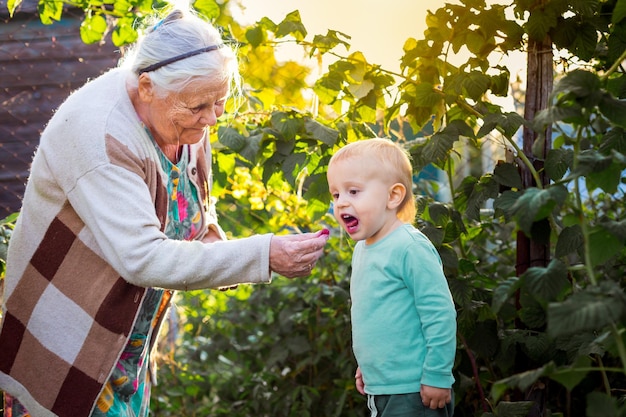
column 397, row 163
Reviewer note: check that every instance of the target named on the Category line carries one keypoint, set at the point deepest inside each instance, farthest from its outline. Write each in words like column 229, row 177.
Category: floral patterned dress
column 127, row 393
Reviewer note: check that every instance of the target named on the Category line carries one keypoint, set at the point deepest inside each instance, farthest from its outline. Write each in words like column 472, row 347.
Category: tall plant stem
column 614, row 67
column 472, row 359
column 620, row 346
column 581, row 217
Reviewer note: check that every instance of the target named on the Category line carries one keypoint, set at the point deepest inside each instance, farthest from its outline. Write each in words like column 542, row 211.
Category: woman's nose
column 208, row 117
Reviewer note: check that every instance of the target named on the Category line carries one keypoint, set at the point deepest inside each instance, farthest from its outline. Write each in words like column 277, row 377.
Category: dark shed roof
column 39, row 66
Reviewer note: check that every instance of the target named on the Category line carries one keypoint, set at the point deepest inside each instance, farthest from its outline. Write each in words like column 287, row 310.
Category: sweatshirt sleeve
column 116, row 206
column 436, row 310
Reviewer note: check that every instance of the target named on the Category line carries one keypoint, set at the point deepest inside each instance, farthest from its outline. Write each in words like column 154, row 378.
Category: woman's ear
column 397, row 192
column 144, row 88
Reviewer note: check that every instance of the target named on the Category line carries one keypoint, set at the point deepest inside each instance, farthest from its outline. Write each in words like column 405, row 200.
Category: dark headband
column 179, row 58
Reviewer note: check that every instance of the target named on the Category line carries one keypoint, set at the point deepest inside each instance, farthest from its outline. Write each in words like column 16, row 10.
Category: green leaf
column 231, row 137
column 292, row 25
column 251, row 148
column 540, row 22
column 536, row 204
column 571, row 376
column 567, row 32
column 600, row 404
column 490, row 122
column 476, row 85
column 12, row 5
column 499, row 85
column 256, row 35
column 439, row 213
column 328, row 42
column 507, row 175
column 585, row 41
column 362, row 89
column 474, row 41
column 434, row 234
column 546, row 283
column 484, row 190
column 437, row 148
column 225, row 162
column 92, row 28
column 506, row 202
column 522, row 380
column 503, row 292
column 558, row 162
column 291, row 166
column 125, row 32
column 327, row 88
column 289, row 125
column 484, row 339
column 619, row 12
column 570, row 240
column 459, row 128
column 536, row 346
column 425, row 95
column 608, row 179
column 321, row 132
column 315, row 208
column 514, row 409
column 613, row 109
column 50, row 11
column 449, row 257
column 555, row 114
column 511, row 123
column 461, row 290
column 614, row 140
column 532, row 313
column 589, row 309
column 579, row 82
column 592, row 161
column 616, row 228
column 208, row 8
column 603, row 245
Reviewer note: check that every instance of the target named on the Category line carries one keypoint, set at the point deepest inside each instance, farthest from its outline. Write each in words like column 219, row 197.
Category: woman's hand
column 295, row 255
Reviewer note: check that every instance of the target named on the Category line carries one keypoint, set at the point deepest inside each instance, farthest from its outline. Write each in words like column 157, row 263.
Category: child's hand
column 434, row 398
column 360, row 385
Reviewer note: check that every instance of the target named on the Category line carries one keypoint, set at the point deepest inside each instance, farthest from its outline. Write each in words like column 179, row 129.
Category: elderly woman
column 116, row 215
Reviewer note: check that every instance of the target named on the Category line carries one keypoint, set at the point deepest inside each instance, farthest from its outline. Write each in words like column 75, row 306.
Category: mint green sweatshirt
column 403, row 316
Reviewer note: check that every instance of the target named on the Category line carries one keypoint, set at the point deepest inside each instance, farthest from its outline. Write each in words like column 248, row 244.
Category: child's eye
column 353, row 192
column 335, row 196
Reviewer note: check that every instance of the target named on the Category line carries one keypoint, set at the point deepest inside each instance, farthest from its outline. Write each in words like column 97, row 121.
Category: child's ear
column 396, row 196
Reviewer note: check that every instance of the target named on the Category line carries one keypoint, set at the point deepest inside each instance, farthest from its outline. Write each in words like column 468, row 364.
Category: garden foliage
column 548, row 341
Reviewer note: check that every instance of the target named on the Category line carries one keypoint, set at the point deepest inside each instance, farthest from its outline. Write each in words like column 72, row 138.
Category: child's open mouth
column 351, row 223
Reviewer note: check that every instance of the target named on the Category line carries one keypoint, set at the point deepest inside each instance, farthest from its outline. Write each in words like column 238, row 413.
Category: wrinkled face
column 361, row 194
column 182, row 117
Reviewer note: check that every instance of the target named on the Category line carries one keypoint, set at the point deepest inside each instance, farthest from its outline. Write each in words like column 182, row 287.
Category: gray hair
column 177, row 34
